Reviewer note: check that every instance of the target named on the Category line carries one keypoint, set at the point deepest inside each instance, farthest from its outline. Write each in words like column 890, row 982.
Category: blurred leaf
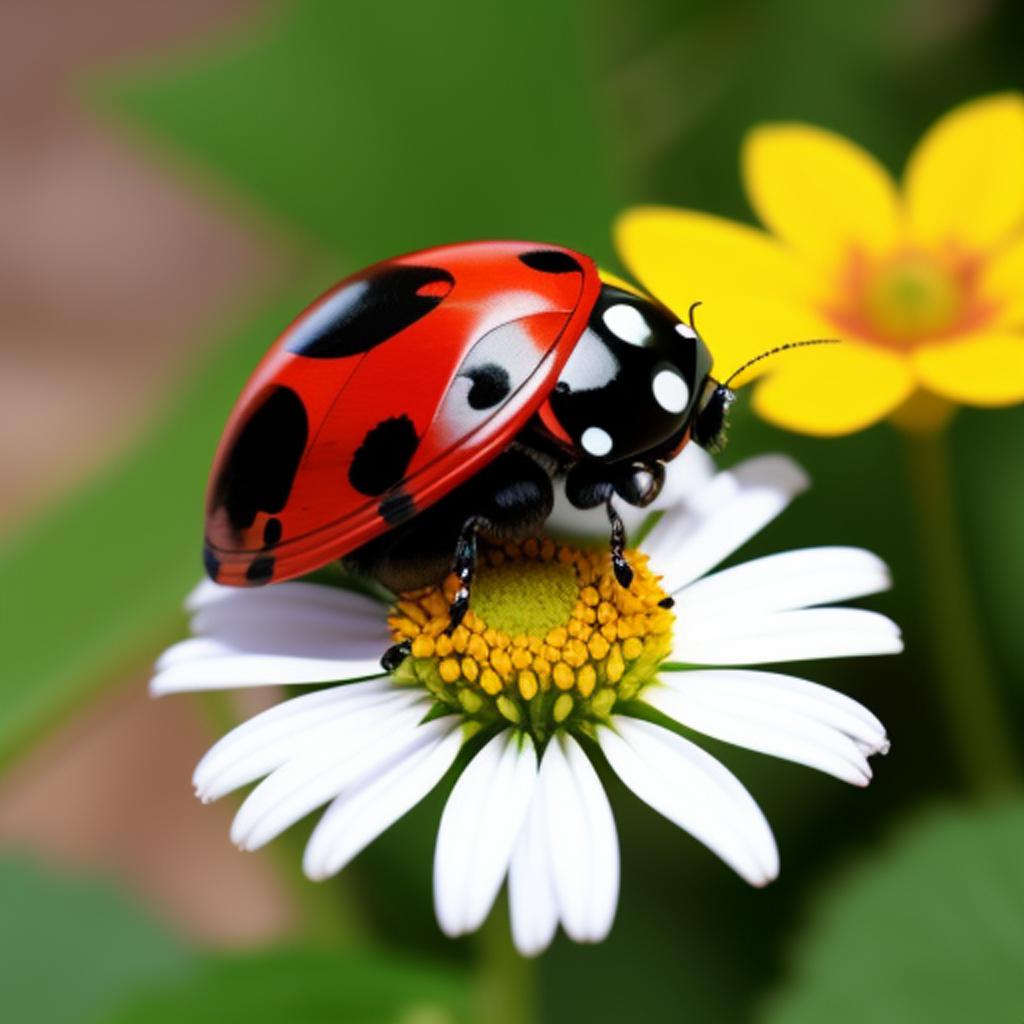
column 94, row 585
column 931, row 929
column 72, row 949
column 300, row 987
column 384, row 127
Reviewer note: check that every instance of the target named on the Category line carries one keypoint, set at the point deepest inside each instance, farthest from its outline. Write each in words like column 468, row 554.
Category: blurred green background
column 184, row 181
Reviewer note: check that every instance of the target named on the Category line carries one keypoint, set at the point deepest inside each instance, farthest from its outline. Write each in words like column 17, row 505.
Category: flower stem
column 967, row 685
column 506, row 991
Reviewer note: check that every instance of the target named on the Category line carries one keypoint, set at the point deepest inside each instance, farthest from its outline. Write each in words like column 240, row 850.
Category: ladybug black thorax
column 630, row 388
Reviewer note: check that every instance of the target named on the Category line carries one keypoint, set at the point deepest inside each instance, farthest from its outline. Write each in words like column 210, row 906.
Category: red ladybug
column 435, row 396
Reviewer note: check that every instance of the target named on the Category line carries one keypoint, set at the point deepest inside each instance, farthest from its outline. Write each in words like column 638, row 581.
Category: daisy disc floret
column 922, row 282
column 552, row 639
column 554, row 668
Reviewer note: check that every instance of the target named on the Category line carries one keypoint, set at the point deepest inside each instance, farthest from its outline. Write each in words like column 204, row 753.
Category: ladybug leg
column 586, row 487
column 622, row 569
column 464, row 566
column 506, row 501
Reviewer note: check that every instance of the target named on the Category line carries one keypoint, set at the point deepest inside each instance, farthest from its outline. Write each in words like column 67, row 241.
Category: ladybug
column 434, row 398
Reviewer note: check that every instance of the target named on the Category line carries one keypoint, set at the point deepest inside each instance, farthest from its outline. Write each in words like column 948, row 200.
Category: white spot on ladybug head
column 686, row 331
column 670, row 391
column 596, row 442
column 627, row 323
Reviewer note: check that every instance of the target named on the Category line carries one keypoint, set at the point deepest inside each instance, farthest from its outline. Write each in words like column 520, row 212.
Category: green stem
column 967, row 685
column 506, row 991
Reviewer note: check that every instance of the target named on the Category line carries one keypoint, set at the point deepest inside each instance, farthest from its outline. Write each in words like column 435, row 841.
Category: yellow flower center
column 913, row 296
column 551, row 638
column 909, row 297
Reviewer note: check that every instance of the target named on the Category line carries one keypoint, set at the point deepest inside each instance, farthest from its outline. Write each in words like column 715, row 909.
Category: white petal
column 304, row 599
column 193, row 649
column 286, row 731
column 290, row 594
column 294, row 629
column 233, row 671
column 204, row 592
column 479, row 827
column 799, row 695
column 787, row 636
column 759, row 711
column 794, row 579
column 371, row 805
column 321, row 773
column 583, row 845
column 685, row 477
column 301, row 643
column 696, row 792
column 693, row 538
column 531, row 889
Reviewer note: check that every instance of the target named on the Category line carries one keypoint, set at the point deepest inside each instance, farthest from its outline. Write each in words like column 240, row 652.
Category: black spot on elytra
column 260, row 570
column 369, row 310
column 260, row 467
column 397, row 508
column 271, row 532
column 551, row 261
column 381, row 460
column 491, row 384
column 211, row 563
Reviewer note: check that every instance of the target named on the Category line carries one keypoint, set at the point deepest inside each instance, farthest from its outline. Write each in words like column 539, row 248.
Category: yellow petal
column 820, row 193
column 1002, row 284
column 965, row 179
column 986, row 368
column 755, row 294
column 834, row 389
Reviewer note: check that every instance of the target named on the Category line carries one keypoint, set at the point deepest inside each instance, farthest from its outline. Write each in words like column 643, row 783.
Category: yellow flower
column 925, row 285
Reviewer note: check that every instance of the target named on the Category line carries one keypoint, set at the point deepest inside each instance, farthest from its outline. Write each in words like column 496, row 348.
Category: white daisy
column 554, row 668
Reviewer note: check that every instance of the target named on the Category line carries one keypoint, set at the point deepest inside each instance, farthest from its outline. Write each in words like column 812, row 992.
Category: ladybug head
column 636, row 388
column 637, row 385
column 711, row 420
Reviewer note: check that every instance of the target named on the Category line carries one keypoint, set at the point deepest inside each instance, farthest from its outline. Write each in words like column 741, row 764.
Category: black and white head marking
column 628, row 388
column 596, row 442
column 670, row 390
column 627, row 323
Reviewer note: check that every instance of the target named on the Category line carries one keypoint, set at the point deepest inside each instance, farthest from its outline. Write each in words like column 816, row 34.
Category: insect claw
column 621, row 568
column 623, row 571
column 457, row 610
column 395, row 655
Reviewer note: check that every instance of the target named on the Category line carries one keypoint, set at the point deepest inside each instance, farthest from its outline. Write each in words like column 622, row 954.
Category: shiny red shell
column 389, row 391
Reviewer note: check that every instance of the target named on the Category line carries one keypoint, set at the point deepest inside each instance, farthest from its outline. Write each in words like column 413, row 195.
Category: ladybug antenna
column 693, row 306
column 774, row 352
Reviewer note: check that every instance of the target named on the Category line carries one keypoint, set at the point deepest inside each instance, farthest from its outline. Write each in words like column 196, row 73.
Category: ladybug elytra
column 435, row 397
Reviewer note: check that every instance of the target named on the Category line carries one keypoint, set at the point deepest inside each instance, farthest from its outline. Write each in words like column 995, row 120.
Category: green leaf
column 303, row 987
column 71, row 949
column 930, row 929
column 94, row 585
column 401, row 126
